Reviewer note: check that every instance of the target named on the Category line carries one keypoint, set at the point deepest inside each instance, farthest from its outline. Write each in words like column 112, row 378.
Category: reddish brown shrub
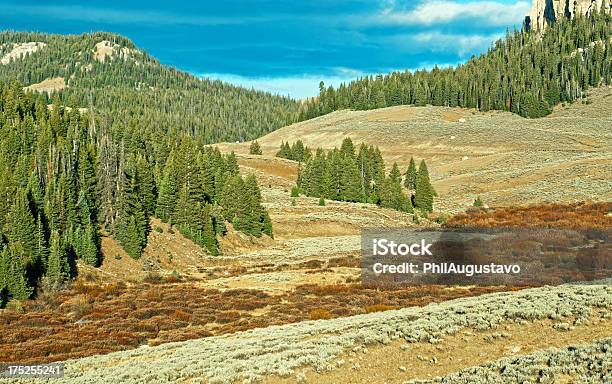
column 320, row 314
column 378, row 308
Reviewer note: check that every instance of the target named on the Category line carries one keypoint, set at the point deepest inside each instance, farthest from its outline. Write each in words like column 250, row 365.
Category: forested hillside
column 133, row 91
column 64, row 177
column 526, row 73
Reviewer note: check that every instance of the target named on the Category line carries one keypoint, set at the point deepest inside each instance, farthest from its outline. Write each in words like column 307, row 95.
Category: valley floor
column 393, row 346
column 291, row 309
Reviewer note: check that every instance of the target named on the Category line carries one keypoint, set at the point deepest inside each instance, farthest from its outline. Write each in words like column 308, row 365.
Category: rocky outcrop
column 545, row 12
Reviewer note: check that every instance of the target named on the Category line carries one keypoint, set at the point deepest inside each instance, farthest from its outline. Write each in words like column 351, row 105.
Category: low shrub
column 378, row 308
column 320, row 314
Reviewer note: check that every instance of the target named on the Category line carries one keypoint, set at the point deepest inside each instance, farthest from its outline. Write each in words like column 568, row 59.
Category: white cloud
column 427, row 13
column 297, row 87
column 434, row 41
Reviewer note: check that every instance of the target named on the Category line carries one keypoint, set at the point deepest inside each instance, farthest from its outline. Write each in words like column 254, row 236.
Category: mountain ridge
column 130, row 87
column 546, row 12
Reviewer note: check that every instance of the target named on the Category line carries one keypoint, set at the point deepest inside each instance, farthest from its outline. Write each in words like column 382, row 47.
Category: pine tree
column 232, row 198
column 348, row 148
column 184, row 208
column 267, row 225
column 90, row 246
column 395, row 174
column 58, row 269
column 4, row 276
column 42, row 252
column 255, row 148
column 35, row 194
column 206, row 228
column 350, row 181
column 168, row 192
column 425, row 192
column 7, row 192
column 411, row 176
column 87, row 176
column 478, row 202
column 20, row 226
column 392, row 196
column 132, row 224
column 285, row 151
column 15, row 277
column 299, row 152
column 146, row 184
column 254, row 214
column 107, row 185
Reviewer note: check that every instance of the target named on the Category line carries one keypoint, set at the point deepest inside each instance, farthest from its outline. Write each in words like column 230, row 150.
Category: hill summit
column 546, row 12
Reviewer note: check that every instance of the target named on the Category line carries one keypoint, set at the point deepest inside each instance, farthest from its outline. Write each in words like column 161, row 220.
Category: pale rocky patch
column 21, row 50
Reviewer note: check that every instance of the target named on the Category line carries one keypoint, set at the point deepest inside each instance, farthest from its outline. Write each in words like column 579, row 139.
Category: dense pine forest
column 135, row 93
column 344, row 175
column 64, row 178
column 526, row 73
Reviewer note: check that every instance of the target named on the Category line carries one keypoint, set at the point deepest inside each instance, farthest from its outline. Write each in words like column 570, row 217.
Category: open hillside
column 506, row 159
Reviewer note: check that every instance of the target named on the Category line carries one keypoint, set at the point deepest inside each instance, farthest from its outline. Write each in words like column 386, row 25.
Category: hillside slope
column 526, row 72
column 131, row 88
column 506, row 159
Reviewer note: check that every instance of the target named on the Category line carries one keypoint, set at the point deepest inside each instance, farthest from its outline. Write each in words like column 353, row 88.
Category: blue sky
column 285, row 47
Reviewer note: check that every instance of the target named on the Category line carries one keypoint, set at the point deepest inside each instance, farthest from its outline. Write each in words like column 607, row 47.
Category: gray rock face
column 545, row 12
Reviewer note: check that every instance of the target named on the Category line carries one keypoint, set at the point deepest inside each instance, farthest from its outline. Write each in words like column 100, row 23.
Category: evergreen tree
column 285, row 151
column 132, row 224
column 168, row 192
column 7, row 191
column 20, row 226
column 146, row 184
column 348, row 148
column 254, row 215
column 411, row 176
column 58, row 270
column 255, row 148
column 15, row 276
column 425, row 192
column 392, row 196
column 395, row 174
column 350, row 181
column 267, row 225
column 42, row 252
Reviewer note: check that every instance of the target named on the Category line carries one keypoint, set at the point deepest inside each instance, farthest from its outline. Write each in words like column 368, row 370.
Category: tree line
column 345, row 174
column 64, row 176
column 526, row 73
column 296, row 152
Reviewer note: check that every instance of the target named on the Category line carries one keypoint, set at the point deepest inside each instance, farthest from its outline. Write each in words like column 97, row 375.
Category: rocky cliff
column 544, row 12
